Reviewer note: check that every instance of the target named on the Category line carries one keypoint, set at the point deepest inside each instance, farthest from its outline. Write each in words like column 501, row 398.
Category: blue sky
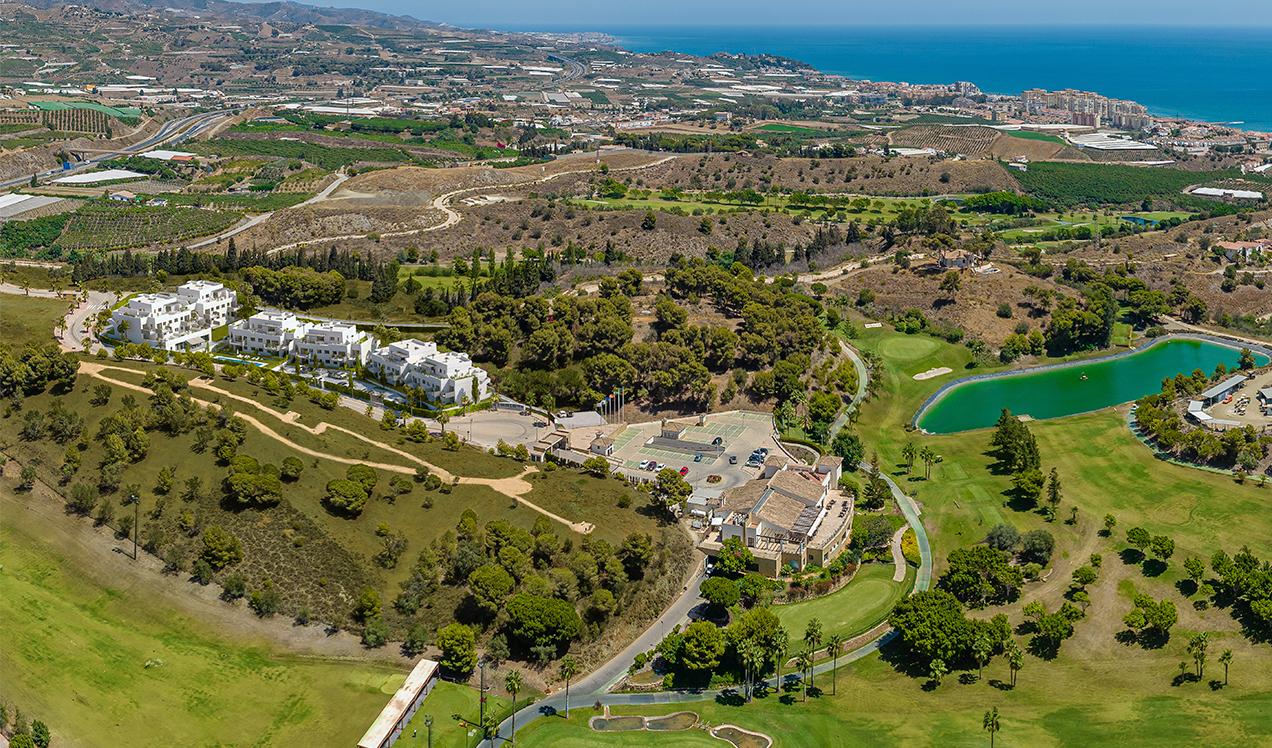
column 601, row 14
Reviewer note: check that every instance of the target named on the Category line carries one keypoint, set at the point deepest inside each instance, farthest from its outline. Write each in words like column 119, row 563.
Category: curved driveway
column 592, row 689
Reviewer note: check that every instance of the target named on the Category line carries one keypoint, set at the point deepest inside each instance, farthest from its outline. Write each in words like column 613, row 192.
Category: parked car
column 733, row 459
column 684, row 471
column 717, row 441
column 697, row 457
column 660, row 466
column 646, row 464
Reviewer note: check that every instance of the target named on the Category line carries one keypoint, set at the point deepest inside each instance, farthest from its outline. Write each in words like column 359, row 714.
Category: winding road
column 173, row 131
column 442, row 204
column 594, row 687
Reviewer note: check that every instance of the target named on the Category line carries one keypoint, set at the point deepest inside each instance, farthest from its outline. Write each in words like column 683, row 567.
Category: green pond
column 1076, row 388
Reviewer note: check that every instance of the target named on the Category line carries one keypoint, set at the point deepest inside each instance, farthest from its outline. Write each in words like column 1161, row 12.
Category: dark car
column 717, row 441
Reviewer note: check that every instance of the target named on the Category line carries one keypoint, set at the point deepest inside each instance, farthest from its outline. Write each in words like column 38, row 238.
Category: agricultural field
column 113, row 226
column 1069, row 184
column 325, row 157
column 973, row 142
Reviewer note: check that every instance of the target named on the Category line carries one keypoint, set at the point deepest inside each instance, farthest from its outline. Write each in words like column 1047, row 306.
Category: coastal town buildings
column 444, row 376
column 183, row 320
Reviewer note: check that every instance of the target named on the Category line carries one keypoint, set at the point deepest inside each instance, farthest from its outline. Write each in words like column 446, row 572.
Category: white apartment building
column 334, row 345
column 271, row 333
column 211, row 301
column 176, row 321
column 446, row 377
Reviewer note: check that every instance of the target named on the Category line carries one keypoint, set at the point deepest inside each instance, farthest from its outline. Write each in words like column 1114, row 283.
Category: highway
column 171, row 132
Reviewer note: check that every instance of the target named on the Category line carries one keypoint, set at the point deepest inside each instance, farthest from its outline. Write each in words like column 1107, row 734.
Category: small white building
column 270, row 333
column 392, row 720
column 176, row 321
column 444, row 376
column 334, row 345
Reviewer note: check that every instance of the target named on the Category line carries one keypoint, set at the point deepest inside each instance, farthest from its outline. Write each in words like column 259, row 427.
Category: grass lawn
column 74, row 649
column 1109, row 703
column 1031, row 135
column 446, row 700
column 401, row 308
column 853, row 609
column 29, row 319
column 1097, row 690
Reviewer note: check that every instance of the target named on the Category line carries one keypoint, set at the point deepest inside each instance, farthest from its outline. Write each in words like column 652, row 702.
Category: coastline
column 945, row 389
column 1209, row 79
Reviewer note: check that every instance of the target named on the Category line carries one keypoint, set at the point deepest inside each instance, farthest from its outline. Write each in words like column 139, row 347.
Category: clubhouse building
column 790, row 514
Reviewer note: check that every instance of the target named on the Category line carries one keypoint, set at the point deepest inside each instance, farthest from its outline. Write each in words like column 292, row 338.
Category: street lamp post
column 428, row 725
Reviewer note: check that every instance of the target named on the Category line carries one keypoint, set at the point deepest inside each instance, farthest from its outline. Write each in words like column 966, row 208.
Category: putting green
column 908, row 348
column 854, row 609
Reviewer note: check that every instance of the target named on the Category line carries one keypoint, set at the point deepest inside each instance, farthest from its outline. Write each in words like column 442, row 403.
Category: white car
column 661, row 465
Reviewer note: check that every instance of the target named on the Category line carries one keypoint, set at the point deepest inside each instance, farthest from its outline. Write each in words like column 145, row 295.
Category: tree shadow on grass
column 1001, row 685
column 1130, row 556
column 902, row 660
column 1154, row 567
column 730, row 697
column 1186, row 587
column 1183, row 678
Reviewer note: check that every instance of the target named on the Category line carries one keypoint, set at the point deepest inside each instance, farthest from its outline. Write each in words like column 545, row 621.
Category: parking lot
column 741, row 432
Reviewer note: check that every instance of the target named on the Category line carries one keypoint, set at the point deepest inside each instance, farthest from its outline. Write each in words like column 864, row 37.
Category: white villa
column 176, row 321
column 445, row 376
column 271, row 333
column 334, row 345
column 790, row 514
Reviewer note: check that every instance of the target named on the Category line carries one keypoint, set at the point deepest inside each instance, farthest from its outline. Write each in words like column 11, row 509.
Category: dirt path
column 898, row 558
column 442, row 203
column 514, row 488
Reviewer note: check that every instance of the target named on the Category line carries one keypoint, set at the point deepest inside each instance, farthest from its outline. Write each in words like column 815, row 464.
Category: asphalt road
column 173, row 131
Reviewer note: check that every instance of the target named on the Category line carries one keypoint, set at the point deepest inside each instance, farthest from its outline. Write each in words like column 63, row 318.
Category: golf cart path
column 898, row 558
column 515, row 487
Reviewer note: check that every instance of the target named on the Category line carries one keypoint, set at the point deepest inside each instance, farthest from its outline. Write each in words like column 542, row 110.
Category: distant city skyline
column 559, row 14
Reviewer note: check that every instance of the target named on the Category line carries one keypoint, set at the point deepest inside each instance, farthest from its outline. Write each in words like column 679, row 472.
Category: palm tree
column 1015, row 660
column 779, row 650
column 909, row 452
column 442, row 418
column 981, row 649
column 569, row 668
column 928, row 456
column 937, row 670
column 834, row 645
column 747, row 653
column 812, row 639
column 805, row 664
column 1225, row 659
column 991, row 724
column 512, row 683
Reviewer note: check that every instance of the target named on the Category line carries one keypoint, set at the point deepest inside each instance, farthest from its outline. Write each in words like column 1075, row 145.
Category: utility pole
column 136, row 502
column 481, row 718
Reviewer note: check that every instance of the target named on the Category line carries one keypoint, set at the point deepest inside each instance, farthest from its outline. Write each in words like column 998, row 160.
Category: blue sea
column 1212, row 74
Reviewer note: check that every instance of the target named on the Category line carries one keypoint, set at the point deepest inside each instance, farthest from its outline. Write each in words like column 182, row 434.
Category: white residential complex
column 176, row 321
column 270, row 333
column 447, row 377
column 334, row 345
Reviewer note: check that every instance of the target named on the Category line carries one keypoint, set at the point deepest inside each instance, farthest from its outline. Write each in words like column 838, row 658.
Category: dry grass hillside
column 974, row 307
column 871, row 175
